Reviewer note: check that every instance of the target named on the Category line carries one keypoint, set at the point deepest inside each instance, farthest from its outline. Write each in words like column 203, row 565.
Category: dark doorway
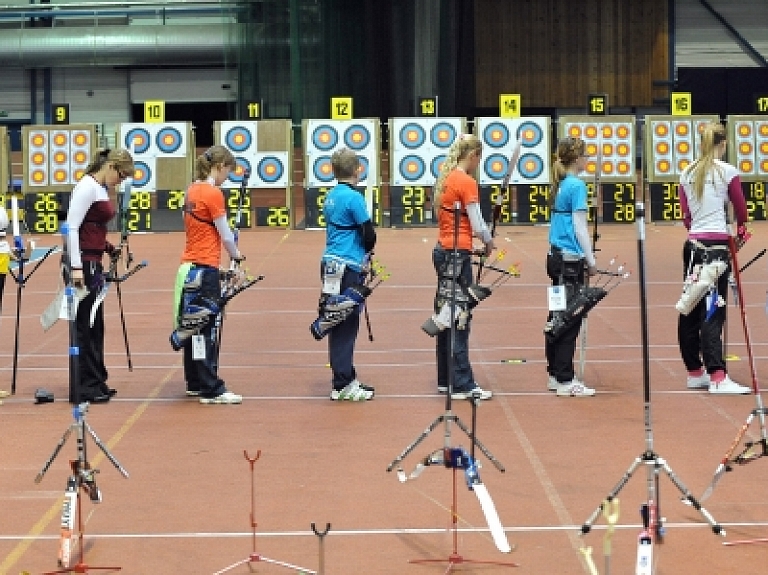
column 201, row 114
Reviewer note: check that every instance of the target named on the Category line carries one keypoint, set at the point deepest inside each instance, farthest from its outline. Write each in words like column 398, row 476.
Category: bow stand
column 456, row 458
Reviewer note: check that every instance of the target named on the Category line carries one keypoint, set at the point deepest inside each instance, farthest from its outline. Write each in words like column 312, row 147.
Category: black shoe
column 111, row 392
column 100, row 398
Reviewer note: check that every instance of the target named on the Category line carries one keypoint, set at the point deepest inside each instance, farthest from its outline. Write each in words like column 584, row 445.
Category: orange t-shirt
column 203, row 246
column 458, row 187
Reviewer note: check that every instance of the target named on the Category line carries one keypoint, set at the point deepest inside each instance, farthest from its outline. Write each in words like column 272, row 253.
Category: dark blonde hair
column 344, row 163
column 568, row 151
column 712, row 135
column 464, row 145
column 119, row 158
column 213, row 156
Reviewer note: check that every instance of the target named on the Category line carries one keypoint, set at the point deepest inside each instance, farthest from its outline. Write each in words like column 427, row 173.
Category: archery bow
column 501, row 197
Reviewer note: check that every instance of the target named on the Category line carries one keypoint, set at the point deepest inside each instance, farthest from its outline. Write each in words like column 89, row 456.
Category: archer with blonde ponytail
column 569, row 258
column 706, row 187
column 453, row 262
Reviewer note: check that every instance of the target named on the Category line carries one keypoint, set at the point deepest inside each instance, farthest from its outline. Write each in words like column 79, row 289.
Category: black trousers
column 91, row 379
column 700, row 340
column 560, row 353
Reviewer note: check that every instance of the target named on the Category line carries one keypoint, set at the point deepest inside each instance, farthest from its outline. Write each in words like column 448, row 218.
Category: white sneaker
column 354, row 391
column 225, row 398
column 552, row 383
column 698, row 381
column 476, row 392
column 574, row 389
column 729, row 387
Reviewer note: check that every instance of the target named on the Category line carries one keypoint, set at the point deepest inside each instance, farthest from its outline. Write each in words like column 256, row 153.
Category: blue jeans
column 463, row 378
column 341, row 339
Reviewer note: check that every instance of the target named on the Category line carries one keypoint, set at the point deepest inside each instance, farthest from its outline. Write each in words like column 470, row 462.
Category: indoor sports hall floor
column 186, row 506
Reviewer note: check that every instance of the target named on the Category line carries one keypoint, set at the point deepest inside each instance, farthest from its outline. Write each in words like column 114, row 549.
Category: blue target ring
column 168, row 140
column 141, row 174
column 137, row 140
column 530, row 133
column 270, row 169
column 412, row 136
column 496, row 166
column 436, row 164
column 325, row 138
column 530, row 166
column 357, row 137
column 442, row 134
column 241, row 166
column 238, row 139
column 496, row 135
column 363, row 168
column 412, row 168
column 322, row 169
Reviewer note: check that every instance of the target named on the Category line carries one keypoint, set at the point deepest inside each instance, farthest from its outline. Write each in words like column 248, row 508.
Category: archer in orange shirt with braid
column 455, row 186
column 198, row 291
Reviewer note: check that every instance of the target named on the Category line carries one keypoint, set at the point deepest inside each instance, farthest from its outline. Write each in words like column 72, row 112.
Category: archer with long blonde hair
column 707, row 186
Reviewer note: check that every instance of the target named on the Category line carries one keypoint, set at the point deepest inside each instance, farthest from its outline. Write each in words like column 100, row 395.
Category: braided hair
column 462, row 146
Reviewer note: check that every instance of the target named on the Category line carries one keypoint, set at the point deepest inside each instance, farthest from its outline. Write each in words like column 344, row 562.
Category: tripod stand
column 653, row 528
column 256, row 557
column 456, row 458
column 21, row 280
column 83, row 478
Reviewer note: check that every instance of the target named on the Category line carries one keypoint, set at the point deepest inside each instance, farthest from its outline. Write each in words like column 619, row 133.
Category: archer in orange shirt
column 198, row 291
column 456, row 195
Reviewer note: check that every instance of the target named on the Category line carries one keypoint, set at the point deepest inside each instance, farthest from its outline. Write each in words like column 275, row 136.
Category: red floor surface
column 185, row 507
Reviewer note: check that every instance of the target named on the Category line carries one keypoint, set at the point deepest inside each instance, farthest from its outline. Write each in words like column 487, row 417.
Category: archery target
column 748, row 146
column 357, row 137
column 412, row 136
column 671, row 144
column 496, row 135
column 412, row 151
column 411, row 168
column 59, row 157
column 496, row 166
column 268, row 169
column 142, row 173
column 168, row 140
column 80, row 153
column 500, row 136
column 38, row 158
column 323, row 137
column 610, row 145
column 137, row 141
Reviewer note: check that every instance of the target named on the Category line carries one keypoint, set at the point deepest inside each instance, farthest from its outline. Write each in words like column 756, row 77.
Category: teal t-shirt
column 571, row 197
column 345, row 212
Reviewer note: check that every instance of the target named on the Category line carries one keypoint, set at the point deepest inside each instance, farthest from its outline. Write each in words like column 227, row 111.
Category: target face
column 168, row 140
column 238, row 139
column 241, row 166
column 270, row 169
column 358, row 135
column 496, row 135
column 496, row 166
column 412, row 153
column 138, row 141
column 671, row 144
column 436, row 165
column 55, row 156
column 610, row 145
column 142, row 174
column 748, row 146
column 412, row 168
column 533, row 165
column 412, row 136
column 325, row 138
column 442, row 135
